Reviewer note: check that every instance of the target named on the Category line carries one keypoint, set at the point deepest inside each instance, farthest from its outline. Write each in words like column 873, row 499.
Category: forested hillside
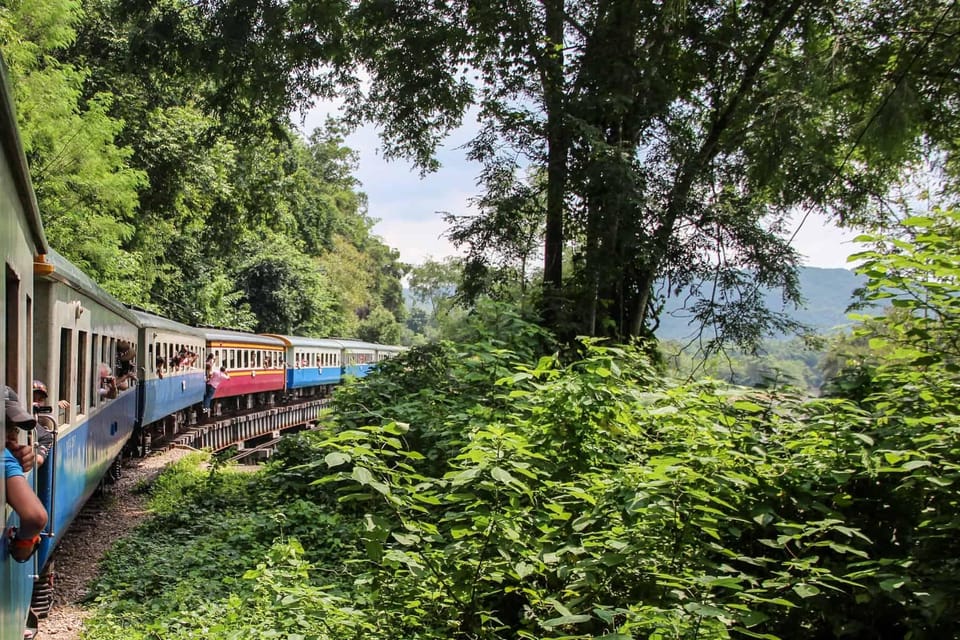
column 208, row 213
column 825, row 297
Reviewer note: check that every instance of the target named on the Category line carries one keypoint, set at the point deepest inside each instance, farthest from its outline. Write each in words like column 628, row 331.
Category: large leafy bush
column 485, row 491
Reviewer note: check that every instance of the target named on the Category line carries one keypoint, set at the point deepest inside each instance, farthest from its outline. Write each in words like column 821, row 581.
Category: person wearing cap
column 20, row 495
column 44, row 437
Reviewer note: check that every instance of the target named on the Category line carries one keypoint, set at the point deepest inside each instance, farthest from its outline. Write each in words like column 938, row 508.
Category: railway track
column 106, row 518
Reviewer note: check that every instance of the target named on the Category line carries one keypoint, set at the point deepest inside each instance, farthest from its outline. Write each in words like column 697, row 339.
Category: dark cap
column 16, row 414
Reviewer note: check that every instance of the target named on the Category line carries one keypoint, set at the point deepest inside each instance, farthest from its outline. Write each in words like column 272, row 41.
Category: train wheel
column 42, row 600
column 116, row 468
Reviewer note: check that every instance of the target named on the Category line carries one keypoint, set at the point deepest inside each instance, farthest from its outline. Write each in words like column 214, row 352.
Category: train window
column 81, row 371
column 96, row 345
column 233, row 359
column 66, row 346
column 13, row 330
column 29, row 323
column 246, row 359
column 259, row 356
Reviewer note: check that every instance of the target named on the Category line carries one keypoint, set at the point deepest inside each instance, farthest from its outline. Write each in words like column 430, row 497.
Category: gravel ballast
column 102, row 522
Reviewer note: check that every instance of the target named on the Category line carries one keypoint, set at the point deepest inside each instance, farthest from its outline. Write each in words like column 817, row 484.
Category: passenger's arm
column 24, row 454
column 20, row 496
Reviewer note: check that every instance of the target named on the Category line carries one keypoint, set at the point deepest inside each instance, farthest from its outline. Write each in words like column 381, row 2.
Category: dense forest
column 622, row 145
column 208, row 214
column 534, row 468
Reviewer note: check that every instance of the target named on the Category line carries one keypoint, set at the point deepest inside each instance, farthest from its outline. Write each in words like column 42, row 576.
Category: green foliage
column 166, row 195
column 714, row 512
column 488, row 491
column 673, row 141
column 84, row 183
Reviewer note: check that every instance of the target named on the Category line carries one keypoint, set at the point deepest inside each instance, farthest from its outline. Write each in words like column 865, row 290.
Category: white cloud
column 416, row 241
column 823, row 244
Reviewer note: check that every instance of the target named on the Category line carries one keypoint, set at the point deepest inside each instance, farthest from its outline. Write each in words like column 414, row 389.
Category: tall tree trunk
column 553, row 91
column 686, row 176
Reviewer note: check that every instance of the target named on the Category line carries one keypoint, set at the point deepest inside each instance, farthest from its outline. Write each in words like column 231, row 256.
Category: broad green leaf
column 563, row 620
column 362, row 475
column 805, row 590
column 336, row 458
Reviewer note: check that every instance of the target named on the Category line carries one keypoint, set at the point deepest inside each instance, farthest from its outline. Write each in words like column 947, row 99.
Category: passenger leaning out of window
column 108, row 384
column 46, row 423
column 17, row 460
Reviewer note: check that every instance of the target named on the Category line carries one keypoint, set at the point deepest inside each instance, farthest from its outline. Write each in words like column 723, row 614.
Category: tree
column 503, row 240
column 85, row 187
column 675, row 138
column 435, row 283
column 286, row 291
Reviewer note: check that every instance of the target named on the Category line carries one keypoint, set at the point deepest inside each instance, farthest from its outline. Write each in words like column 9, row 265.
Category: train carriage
column 107, row 369
column 386, row 351
column 172, row 371
column 358, row 357
column 311, row 363
column 255, row 364
column 21, row 239
column 86, row 345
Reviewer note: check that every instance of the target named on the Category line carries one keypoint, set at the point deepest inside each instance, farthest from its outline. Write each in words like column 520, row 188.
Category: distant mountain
column 827, row 293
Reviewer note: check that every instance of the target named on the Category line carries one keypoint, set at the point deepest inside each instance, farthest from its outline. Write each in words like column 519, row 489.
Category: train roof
column 298, row 341
column 228, row 337
column 392, row 348
column 152, row 321
column 59, row 268
column 13, row 150
column 348, row 343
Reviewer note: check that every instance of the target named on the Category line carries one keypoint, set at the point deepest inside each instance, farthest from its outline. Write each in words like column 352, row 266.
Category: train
column 110, row 378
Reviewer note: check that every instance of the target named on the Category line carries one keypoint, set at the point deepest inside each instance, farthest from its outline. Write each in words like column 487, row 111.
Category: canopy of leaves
column 171, row 200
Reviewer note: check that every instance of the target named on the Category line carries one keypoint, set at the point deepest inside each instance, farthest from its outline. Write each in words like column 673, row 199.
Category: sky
column 410, row 208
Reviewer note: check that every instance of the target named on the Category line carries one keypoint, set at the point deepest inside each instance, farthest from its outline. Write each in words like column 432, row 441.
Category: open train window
column 97, row 344
column 28, row 318
column 12, row 337
column 81, row 371
column 63, row 392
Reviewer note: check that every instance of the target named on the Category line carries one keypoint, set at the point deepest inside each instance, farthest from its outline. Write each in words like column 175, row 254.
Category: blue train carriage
column 312, row 364
column 85, row 344
column 21, row 240
column 358, row 357
column 172, row 376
